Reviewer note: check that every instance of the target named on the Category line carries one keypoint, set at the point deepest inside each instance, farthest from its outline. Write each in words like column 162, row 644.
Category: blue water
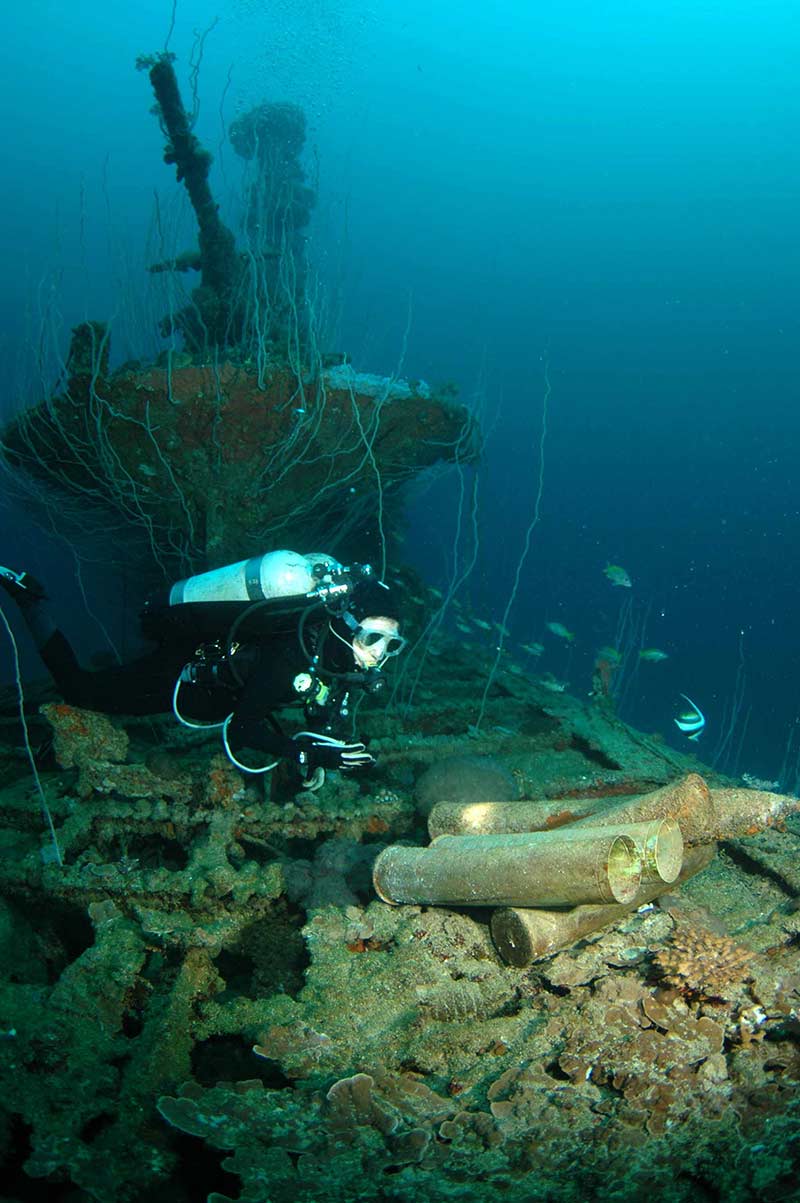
column 606, row 194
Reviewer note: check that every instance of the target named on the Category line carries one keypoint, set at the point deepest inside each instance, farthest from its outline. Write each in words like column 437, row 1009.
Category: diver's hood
column 371, row 599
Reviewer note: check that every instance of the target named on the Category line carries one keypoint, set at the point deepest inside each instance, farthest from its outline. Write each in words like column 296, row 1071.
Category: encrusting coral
column 700, row 964
column 213, row 953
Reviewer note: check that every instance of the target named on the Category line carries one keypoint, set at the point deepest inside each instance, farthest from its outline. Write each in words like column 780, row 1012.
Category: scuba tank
column 269, row 591
column 276, row 574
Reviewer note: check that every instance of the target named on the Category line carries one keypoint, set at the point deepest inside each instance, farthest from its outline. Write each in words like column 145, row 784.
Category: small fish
column 617, row 575
column 550, row 682
column 481, row 625
column 611, row 655
column 533, row 649
column 691, row 721
column 652, row 654
column 437, row 593
column 463, row 628
column 501, row 630
column 559, row 629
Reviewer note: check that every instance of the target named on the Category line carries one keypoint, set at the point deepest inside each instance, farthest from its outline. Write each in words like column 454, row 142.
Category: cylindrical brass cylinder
column 540, row 868
column 742, row 812
column 660, row 846
column 688, row 802
column 523, row 935
column 494, row 818
column 704, row 814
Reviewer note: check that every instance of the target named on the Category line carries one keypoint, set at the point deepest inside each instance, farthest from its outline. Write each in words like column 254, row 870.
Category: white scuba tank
column 274, row 574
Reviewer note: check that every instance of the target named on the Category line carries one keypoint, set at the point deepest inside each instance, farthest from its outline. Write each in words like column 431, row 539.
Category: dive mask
column 375, row 640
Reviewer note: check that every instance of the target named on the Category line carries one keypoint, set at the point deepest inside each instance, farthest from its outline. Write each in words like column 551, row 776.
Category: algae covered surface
column 206, row 1000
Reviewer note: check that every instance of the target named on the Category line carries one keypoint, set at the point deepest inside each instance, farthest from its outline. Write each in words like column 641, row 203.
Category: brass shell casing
column 542, row 868
column 688, row 801
column 524, row 935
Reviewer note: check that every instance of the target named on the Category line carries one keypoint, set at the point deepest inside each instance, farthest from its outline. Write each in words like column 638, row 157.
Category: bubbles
column 303, row 50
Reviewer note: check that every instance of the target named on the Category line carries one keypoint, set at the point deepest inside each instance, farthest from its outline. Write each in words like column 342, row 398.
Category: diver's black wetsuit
column 257, row 679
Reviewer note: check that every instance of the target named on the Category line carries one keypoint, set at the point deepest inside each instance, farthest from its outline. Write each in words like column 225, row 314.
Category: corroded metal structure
column 210, row 464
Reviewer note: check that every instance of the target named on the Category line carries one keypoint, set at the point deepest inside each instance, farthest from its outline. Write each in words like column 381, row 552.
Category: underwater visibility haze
column 502, row 302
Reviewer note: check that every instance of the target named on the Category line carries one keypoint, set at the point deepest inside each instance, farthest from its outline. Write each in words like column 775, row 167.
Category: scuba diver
column 235, row 644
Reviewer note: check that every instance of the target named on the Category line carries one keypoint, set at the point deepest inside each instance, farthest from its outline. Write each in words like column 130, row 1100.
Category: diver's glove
column 316, row 751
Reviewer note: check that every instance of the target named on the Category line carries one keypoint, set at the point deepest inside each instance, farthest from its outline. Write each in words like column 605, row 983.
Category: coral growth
column 700, row 964
column 202, row 1002
column 82, row 736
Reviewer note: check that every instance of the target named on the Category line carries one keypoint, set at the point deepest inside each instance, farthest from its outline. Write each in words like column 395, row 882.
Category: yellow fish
column 617, row 575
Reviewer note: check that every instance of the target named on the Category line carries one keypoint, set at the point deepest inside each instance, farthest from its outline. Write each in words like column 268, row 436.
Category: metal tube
column 688, row 801
column 541, row 868
column 705, row 815
column 486, row 818
column 522, row 935
column 660, row 845
column 741, row 812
